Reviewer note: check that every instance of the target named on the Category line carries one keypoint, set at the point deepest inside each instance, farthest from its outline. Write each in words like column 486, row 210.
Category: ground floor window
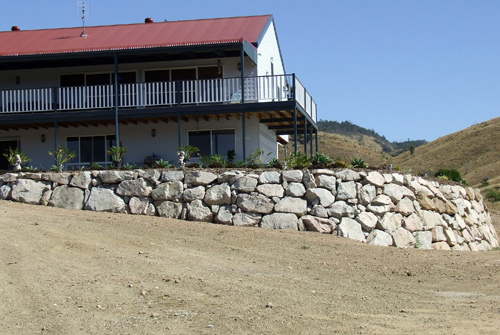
column 213, row 142
column 90, row 149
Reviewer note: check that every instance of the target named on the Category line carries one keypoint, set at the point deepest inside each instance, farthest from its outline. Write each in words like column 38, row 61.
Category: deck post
column 243, row 116
column 316, row 135
column 305, row 136
column 117, row 127
column 311, row 139
column 179, row 129
column 295, row 130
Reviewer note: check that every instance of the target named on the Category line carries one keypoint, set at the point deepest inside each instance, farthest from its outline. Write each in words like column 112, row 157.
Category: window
column 213, row 142
column 91, row 79
column 90, row 149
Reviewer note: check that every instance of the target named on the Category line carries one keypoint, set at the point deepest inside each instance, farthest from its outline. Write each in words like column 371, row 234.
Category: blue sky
column 418, row 69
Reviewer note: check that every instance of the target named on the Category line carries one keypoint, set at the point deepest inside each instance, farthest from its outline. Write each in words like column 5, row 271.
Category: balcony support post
column 56, row 135
column 243, row 116
column 179, row 129
column 316, row 135
column 117, row 127
column 295, row 131
column 311, row 139
column 305, row 137
column 243, row 133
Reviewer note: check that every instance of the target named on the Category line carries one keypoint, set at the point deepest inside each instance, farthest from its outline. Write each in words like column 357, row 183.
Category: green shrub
column 275, row 163
column 11, row 156
column 213, row 161
column 162, row 164
column 297, row 161
column 257, row 158
column 358, row 162
column 493, row 195
column 320, row 160
column 450, row 174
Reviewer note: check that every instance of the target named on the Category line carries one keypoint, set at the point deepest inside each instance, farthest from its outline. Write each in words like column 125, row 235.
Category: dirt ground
column 81, row 272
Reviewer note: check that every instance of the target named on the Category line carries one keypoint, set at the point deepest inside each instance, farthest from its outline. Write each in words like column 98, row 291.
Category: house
column 217, row 84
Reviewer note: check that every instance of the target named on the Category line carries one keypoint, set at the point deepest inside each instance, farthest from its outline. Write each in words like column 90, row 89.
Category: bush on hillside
column 450, row 174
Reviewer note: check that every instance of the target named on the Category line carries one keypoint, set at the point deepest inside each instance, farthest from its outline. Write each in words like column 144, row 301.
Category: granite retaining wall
column 388, row 209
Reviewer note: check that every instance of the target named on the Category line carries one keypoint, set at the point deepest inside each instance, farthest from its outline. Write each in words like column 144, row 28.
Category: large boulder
column 218, row 195
column 350, row 228
column 375, row 178
column 141, row 206
column 61, row 178
column 423, row 239
column 293, row 205
column 255, row 203
column 292, row 176
column 29, row 191
column 272, row 190
column 199, row 211
column 326, row 181
column 348, row 175
column 196, row 178
column 340, row 209
column 5, row 191
column 133, row 188
column 320, row 225
column 246, row 219
column 67, row 197
column 171, row 190
column 279, row 221
column 367, row 220
column 366, row 194
column 172, row 176
column 194, row 193
column 270, row 177
column 224, row 215
column 320, row 196
column 403, row 238
column 390, row 222
column 295, row 190
column 346, row 191
column 169, row 209
column 82, row 180
column 105, row 200
column 245, row 184
column 379, row 237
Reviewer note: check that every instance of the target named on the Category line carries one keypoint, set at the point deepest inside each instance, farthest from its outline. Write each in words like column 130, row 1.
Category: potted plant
column 62, row 156
column 16, row 158
column 117, row 154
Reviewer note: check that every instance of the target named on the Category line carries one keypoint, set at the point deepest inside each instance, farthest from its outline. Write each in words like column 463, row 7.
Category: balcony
column 264, row 89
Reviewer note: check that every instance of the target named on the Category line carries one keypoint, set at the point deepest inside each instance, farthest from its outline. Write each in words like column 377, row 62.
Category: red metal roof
column 132, row 36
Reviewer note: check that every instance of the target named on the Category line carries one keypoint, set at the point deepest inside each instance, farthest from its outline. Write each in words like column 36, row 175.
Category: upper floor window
column 92, row 79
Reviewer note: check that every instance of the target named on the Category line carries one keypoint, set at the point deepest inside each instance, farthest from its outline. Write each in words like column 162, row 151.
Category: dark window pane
column 86, row 149
column 157, row 76
column 98, row 79
column 99, row 149
column 209, row 72
column 72, row 143
column 222, row 141
column 69, row 80
column 184, row 74
column 201, row 140
column 125, row 77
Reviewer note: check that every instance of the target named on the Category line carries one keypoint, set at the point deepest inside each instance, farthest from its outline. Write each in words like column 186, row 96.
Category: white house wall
column 269, row 51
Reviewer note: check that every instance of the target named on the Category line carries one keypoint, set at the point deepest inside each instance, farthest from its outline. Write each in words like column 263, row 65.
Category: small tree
column 11, row 156
column 62, row 156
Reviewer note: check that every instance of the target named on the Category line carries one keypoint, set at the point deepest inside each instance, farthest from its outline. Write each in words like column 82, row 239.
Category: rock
column 255, row 203
column 450, row 236
column 81, row 180
column 33, row 175
column 172, row 176
column 308, row 180
column 320, row 225
column 61, row 178
column 379, row 210
column 405, row 207
column 423, row 239
column 271, row 190
column 292, row 176
column 279, row 221
column 169, row 209
column 390, row 222
column 47, row 194
column 9, row 177
column 197, row 178
column 114, row 177
column 397, row 192
column 326, row 181
column 351, row 229
column 325, row 197
column 104, row 200
column 194, row 193
column 438, row 234
column 431, row 219
column 403, row 238
column 375, row 178
column 295, row 190
column 229, row 176
column 245, row 184
column 296, row 206
column 413, row 223
column 441, row 246
column 382, row 200
column 246, row 219
column 218, row 195
column 340, row 209
column 133, row 188
column 29, row 191
column 269, row 177
column 141, row 206
column 367, row 220
column 366, row 194
column 172, row 190
column 348, row 175
column 198, row 211
column 151, row 175
column 346, row 191
column 224, row 215
column 319, row 211
column 67, row 197
column 5, row 191
column 379, row 237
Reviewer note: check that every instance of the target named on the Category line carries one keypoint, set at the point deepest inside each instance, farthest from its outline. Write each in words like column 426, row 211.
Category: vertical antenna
column 83, row 8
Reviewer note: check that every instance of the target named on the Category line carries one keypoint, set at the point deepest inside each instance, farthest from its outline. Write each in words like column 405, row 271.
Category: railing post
column 293, row 86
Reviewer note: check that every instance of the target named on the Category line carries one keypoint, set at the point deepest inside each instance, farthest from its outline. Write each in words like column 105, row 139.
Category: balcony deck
column 218, row 92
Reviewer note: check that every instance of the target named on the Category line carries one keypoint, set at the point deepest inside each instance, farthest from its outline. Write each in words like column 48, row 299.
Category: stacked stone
column 380, row 209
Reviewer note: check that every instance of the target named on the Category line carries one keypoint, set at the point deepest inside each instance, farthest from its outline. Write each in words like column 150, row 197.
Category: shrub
column 213, row 161
column 117, row 154
column 11, row 156
column 189, row 152
column 257, row 157
column 358, row 162
column 320, row 160
column 450, row 174
column 62, row 156
column 493, row 195
column 162, row 164
column 297, row 161
column 275, row 164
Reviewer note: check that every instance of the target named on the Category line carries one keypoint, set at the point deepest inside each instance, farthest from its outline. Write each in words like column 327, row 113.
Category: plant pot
column 117, row 164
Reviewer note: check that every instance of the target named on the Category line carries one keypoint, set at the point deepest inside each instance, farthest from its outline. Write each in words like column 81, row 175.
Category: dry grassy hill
column 474, row 152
